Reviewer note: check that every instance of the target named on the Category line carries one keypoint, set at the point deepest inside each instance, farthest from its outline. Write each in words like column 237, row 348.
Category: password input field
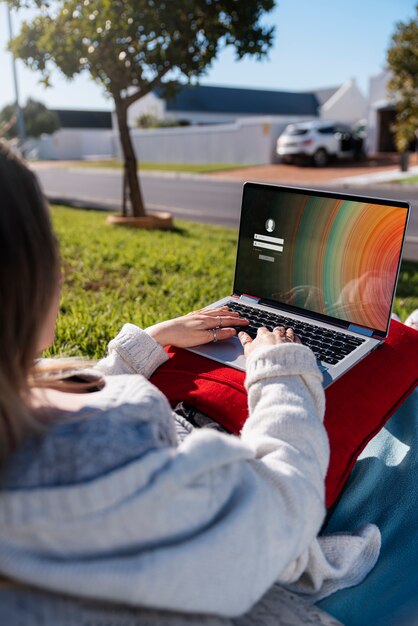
column 268, row 246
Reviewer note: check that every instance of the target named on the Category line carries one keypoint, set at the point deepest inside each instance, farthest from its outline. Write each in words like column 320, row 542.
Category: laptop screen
column 331, row 254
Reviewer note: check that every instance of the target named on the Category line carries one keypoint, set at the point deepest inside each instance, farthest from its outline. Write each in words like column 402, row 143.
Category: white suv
column 318, row 142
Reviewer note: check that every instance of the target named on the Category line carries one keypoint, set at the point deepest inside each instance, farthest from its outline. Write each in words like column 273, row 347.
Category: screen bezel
column 325, row 194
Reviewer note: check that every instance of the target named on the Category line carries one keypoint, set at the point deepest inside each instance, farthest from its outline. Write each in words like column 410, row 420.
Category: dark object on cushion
column 358, row 404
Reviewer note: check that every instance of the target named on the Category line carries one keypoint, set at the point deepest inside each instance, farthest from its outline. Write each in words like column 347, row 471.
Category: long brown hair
column 29, row 267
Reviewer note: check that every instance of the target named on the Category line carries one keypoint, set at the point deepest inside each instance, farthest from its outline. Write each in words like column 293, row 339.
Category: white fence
column 74, row 144
column 246, row 141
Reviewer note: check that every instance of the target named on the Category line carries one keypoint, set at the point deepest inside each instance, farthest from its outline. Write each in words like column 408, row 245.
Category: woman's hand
column 266, row 338
column 198, row 327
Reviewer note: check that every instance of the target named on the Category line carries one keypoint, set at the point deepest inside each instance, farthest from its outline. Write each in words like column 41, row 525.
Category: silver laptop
column 324, row 263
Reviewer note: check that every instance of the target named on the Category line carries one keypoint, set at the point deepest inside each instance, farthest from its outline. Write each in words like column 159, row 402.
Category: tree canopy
column 38, row 120
column 130, row 47
column 402, row 61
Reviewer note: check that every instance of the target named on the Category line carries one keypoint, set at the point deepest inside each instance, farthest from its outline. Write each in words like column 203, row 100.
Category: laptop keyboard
column 329, row 346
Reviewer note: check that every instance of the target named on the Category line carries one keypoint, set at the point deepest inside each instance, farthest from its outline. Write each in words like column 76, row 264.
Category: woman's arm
column 137, row 351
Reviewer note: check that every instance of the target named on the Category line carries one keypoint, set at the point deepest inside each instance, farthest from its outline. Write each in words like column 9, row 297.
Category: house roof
column 70, row 118
column 212, row 99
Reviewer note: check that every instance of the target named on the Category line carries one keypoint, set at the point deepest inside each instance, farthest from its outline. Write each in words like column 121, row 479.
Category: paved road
column 196, row 198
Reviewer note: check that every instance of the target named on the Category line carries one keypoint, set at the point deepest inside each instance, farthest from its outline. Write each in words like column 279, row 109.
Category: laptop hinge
column 359, row 329
column 249, row 299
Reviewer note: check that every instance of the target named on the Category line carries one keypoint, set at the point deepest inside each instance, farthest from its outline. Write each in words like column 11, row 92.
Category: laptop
column 322, row 262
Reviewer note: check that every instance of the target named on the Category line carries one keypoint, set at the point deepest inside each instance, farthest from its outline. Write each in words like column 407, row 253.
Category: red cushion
column 358, row 404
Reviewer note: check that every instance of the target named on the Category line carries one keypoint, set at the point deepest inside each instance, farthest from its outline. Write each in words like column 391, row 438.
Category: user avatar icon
column 270, row 225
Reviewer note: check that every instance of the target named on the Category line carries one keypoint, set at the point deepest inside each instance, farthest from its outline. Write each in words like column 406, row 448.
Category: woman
column 106, row 494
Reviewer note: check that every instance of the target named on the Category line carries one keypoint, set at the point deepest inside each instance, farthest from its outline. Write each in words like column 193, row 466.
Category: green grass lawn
column 411, row 180
column 195, row 168
column 406, row 299
column 114, row 275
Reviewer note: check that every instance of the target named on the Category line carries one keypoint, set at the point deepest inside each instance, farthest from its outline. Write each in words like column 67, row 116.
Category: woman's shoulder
column 122, row 422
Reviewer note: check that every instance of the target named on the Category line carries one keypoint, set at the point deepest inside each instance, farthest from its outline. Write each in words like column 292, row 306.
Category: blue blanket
column 383, row 488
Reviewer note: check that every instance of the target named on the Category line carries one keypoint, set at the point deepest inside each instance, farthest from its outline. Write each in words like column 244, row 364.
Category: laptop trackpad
column 228, row 352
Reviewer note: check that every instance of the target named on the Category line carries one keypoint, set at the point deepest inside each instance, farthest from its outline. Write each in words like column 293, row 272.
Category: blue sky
column 318, row 43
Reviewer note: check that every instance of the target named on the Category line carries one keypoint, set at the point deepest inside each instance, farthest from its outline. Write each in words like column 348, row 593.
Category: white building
column 346, row 104
column 202, row 104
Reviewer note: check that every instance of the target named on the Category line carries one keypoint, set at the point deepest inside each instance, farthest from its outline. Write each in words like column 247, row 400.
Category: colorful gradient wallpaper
column 338, row 257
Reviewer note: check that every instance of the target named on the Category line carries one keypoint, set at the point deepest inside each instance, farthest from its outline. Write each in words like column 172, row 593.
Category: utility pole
column 20, row 121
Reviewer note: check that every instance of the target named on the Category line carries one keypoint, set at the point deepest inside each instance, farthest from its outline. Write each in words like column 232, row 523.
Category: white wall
column 247, row 141
column 74, row 144
column 378, row 89
column 347, row 104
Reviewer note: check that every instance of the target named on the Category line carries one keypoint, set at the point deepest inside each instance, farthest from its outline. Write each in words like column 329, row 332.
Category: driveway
column 307, row 175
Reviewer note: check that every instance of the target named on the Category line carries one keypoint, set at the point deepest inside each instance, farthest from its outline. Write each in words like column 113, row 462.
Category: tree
column 131, row 47
column 402, row 58
column 38, row 120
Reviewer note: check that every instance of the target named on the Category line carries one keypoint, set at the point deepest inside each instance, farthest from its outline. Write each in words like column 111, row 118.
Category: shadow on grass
column 82, row 205
column 92, row 206
column 178, row 230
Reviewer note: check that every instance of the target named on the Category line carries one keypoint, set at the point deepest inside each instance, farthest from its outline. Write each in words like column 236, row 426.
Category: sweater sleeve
column 286, row 409
column 331, row 562
column 132, row 351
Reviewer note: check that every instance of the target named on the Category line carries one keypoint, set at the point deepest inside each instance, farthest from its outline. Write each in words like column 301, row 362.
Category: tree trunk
column 404, row 161
column 130, row 177
column 124, row 193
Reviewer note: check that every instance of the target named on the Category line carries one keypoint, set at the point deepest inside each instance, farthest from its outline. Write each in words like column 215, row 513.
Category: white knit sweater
column 109, row 504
